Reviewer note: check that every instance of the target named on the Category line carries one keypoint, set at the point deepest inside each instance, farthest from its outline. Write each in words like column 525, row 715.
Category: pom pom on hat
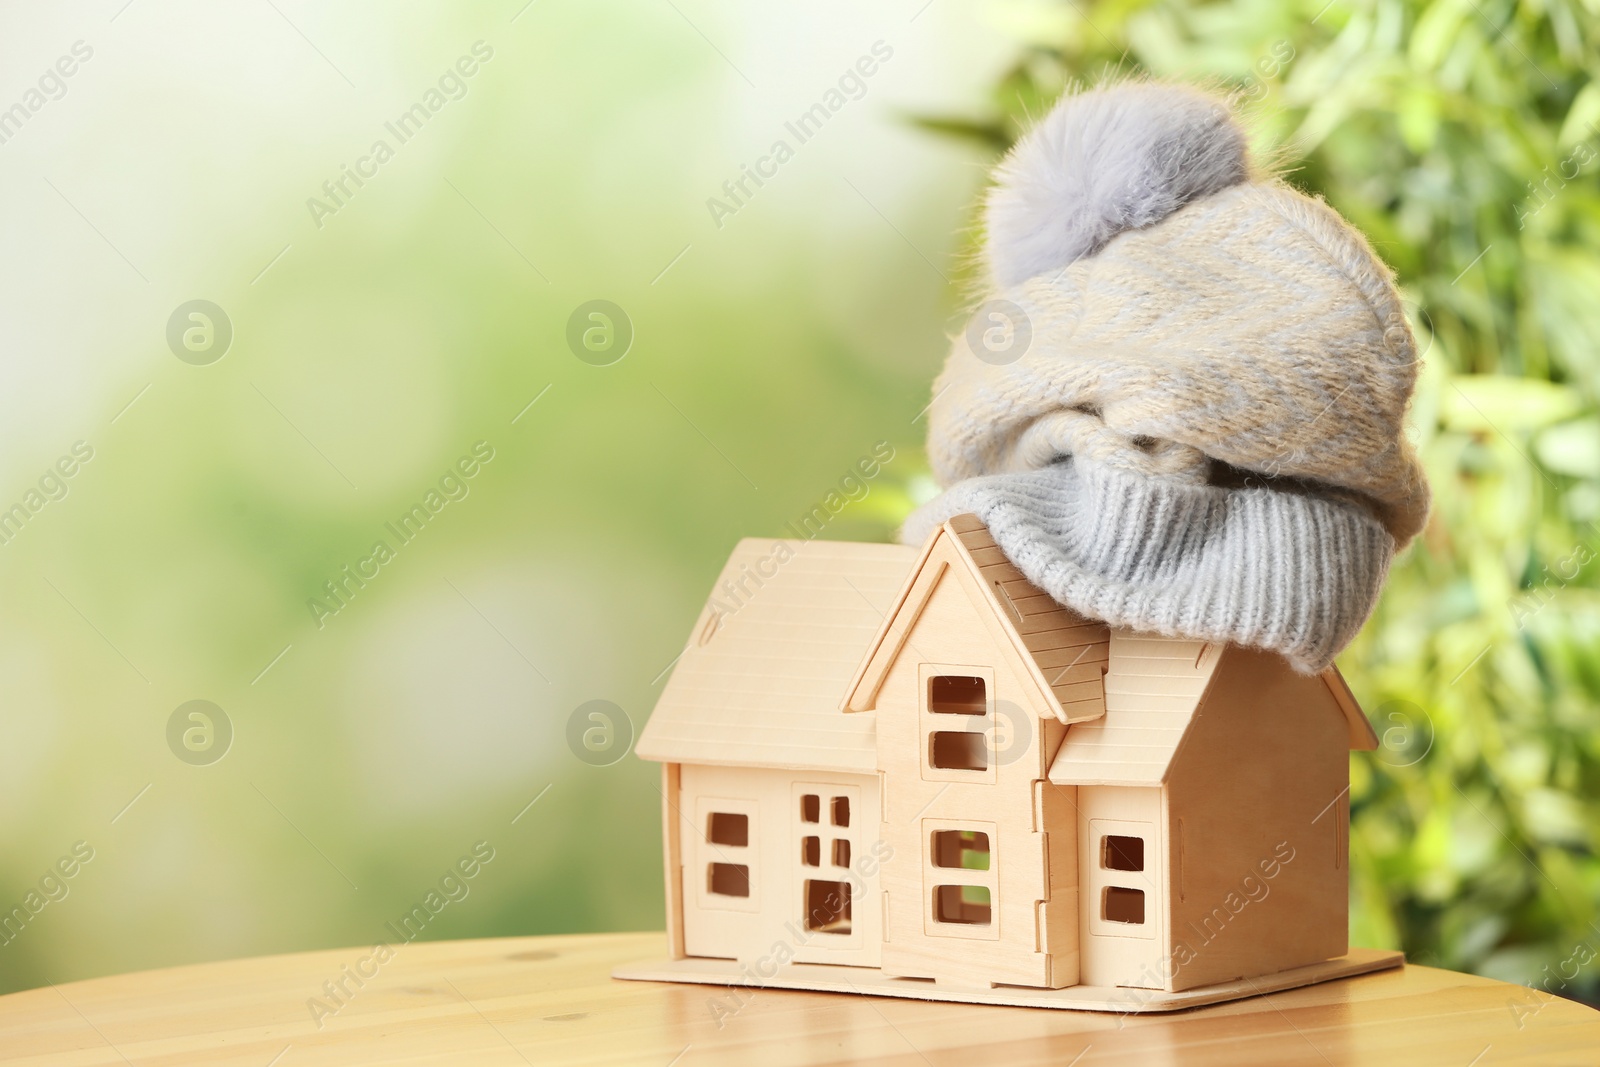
column 1102, row 162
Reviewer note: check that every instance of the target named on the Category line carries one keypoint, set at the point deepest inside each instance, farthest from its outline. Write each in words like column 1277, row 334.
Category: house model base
column 914, row 774
column 833, row 978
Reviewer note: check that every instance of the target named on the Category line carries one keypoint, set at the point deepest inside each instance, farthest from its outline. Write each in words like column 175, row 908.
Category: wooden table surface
column 551, row 1000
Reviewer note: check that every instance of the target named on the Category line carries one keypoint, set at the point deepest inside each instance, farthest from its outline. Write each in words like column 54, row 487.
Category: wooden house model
column 912, row 773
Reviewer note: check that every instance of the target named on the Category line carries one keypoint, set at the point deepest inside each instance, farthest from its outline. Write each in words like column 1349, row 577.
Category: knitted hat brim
column 1288, row 572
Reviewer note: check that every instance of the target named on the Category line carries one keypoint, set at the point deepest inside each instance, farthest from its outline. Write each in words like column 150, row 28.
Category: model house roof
column 1154, row 687
column 777, row 642
column 792, row 627
column 1065, row 653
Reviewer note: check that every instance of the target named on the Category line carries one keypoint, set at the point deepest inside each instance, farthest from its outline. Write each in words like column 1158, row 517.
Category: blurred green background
column 771, row 348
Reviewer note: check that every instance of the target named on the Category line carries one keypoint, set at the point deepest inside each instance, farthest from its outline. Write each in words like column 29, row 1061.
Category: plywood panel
column 1054, row 659
column 787, row 624
column 1257, row 799
column 769, row 928
column 1110, row 999
column 672, row 856
column 1152, row 687
column 1122, row 953
column 1049, row 636
column 1056, row 818
column 958, row 625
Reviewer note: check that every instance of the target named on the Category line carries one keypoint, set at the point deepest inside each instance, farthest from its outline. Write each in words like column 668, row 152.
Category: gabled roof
column 1154, row 686
column 1064, row 653
column 791, row 625
column 1362, row 737
column 774, row 647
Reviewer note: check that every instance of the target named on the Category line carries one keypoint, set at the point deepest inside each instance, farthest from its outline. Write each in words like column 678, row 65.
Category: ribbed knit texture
column 1292, row 573
column 1203, row 437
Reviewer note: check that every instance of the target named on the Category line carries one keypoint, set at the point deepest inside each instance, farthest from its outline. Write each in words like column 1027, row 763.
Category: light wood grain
column 780, row 636
column 1261, row 787
column 516, row 1001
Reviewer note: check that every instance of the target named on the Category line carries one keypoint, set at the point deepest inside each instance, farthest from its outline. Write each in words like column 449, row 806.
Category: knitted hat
column 1182, row 410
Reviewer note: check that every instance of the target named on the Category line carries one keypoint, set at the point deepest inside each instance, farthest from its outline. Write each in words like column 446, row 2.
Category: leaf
column 1583, row 117
column 991, row 134
column 1571, row 448
column 1554, row 817
column 1498, row 402
column 1035, row 22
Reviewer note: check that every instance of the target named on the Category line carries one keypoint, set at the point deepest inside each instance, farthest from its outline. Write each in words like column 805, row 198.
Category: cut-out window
column 958, row 750
column 811, row 851
column 729, row 879
column 811, row 808
column 957, row 694
column 1122, row 905
column 727, row 828
column 827, row 906
column 841, row 852
column 1118, row 853
column 841, row 811
column 965, row 904
column 963, row 849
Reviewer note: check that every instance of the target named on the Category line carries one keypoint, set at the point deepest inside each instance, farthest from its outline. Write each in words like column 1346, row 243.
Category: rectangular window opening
column 727, row 828
column 811, row 851
column 728, row 879
column 958, row 750
column 963, row 849
column 841, row 852
column 841, row 811
column 811, row 808
column 957, row 694
column 1121, row 905
column 827, row 906
column 964, row 904
column 1119, row 853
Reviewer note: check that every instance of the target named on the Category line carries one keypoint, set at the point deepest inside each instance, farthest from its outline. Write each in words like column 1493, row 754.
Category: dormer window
column 956, row 723
column 958, row 750
column 957, row 694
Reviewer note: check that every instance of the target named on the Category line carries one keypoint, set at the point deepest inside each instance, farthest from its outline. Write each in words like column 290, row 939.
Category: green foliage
column 1462, row 138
